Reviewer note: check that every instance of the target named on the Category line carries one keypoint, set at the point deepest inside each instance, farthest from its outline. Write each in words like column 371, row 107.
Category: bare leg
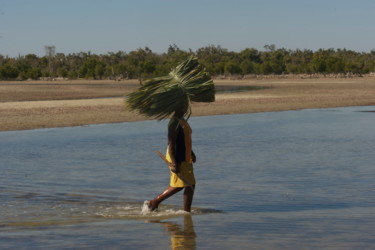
column 188, row 197
column 168, row 192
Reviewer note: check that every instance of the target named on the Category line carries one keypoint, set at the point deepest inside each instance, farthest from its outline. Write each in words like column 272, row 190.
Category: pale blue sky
column 103, row 26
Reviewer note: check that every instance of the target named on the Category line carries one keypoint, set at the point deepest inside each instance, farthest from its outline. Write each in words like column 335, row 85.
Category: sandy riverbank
column 30, row 105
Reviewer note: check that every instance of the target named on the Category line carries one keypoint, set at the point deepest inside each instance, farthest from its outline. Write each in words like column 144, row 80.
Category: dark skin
column 169, row 191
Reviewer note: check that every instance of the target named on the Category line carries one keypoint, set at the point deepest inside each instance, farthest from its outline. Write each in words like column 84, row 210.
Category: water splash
column 40, row 210
column 145, row 208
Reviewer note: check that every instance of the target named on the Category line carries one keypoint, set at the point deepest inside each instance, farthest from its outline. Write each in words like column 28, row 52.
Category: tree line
column 144, row 63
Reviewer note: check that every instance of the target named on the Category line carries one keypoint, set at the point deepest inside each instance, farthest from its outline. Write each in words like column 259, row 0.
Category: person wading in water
column 181, row 158
column 170, row 96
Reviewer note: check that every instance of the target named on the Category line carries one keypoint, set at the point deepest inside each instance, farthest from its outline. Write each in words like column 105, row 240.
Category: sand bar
column 31, row 105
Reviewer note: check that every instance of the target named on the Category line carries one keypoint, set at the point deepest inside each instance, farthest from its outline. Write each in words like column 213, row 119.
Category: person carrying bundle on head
column 171, row 96
column 181, row 158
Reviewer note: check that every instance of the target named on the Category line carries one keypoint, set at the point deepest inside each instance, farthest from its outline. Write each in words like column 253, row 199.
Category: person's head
column 182, row 110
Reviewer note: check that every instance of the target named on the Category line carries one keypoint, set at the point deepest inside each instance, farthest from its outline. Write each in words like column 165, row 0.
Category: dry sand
column 30, row 105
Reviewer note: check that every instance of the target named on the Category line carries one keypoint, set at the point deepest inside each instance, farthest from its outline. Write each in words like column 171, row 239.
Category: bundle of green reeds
column 160, row 97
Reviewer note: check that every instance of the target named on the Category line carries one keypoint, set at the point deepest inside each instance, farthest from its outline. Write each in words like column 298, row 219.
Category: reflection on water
column 182, row 237
column 297, row 179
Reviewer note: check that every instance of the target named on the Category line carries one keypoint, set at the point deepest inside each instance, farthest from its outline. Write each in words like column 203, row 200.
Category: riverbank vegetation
column 144, row 63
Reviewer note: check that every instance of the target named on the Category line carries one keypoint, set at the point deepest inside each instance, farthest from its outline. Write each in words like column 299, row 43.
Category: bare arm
column 193, row 156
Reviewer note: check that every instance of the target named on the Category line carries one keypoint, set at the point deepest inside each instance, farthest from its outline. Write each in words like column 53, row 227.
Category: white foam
column 145, row 209
column 158, row 213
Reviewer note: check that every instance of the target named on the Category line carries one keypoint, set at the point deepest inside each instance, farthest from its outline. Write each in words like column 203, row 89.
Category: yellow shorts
column 187, row 174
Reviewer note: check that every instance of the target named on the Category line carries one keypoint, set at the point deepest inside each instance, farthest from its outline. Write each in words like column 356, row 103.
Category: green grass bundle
column 160, row 97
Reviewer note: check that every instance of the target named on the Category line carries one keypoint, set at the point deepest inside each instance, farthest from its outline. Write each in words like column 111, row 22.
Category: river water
column 279, row 180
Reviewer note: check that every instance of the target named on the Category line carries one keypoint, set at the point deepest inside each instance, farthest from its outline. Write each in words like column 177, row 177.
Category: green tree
column 8, row 72
column 248, row 67
column 34, row 73
column 270, row 47
column 142, row 63
column 210, row 55
column 232, row 68
column 92, row 69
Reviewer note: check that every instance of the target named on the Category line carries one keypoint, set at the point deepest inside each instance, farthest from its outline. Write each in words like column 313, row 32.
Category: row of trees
column 143, row 63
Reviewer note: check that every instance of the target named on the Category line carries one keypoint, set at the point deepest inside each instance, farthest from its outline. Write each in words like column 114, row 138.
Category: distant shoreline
column 35, row 104
column 59, row 80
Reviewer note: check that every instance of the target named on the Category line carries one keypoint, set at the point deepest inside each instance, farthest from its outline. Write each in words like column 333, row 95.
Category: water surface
column 293, row 179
